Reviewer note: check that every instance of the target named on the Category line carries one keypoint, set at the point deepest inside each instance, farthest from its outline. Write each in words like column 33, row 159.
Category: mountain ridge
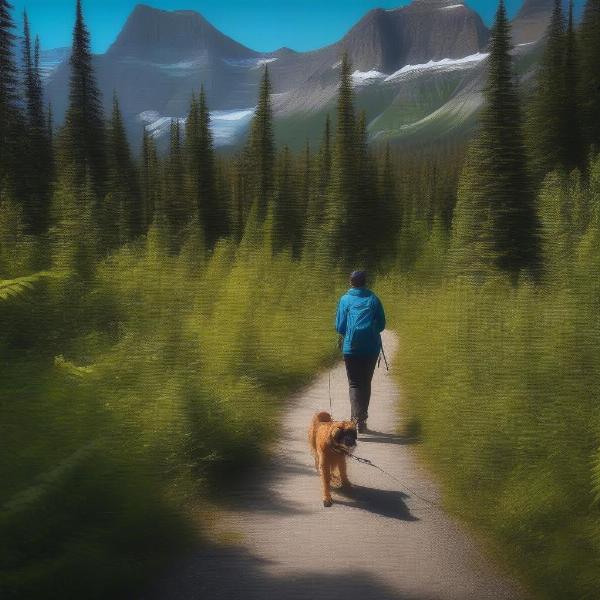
column 160, row 57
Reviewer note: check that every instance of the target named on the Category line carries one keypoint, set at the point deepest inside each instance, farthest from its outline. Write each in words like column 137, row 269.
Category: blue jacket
column 353, row 296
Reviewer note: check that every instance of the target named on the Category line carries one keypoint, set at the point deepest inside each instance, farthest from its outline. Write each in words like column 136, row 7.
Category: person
column 359, row 321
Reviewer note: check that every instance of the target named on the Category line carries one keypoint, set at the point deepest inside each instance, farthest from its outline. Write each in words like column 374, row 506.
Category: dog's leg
column 325, row 470
column 343, row 473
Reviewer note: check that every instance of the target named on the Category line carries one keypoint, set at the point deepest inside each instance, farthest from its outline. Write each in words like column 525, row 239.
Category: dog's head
column 344, row 434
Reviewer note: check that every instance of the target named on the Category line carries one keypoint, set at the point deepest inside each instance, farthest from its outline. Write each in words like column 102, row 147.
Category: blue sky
column 260, row 24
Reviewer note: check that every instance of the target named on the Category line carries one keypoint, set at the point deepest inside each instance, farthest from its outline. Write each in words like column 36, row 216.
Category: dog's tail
column 321, row 417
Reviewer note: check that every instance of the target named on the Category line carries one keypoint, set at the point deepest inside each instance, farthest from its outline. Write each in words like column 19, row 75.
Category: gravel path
column 380, row 542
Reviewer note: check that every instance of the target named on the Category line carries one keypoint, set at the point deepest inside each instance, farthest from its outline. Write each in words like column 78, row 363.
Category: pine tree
column 286, row 217
column 573, row 144
column 83, row 135
column 318, row 198
column 341, row 205
column 12, row 126
column 589, row 36
column 365, row 220
column 496, row 223
column 306, row 179
column 389, row 217
column 75, row 239
column 176, row 209
column 239, row 210
column 260, row 151
column 39, row 162
column 325, row 159
column 546, row 120
column 149, row 179
column 200, row 157
column 124, row 210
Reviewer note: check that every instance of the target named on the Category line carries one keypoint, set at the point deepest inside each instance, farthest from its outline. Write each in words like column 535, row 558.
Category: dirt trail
column 381, row 542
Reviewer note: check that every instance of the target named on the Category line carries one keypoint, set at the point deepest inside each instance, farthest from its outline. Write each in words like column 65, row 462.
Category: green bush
column 163, row 379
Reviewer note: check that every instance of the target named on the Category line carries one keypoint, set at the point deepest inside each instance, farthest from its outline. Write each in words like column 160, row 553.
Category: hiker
column 359, row 321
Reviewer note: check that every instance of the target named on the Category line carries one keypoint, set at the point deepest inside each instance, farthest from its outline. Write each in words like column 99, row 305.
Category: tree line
column 81, row 190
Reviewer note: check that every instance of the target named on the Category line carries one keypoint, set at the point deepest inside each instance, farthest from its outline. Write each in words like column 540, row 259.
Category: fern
column 14, row 288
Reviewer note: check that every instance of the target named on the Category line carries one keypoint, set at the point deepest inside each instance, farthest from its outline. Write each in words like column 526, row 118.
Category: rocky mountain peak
column 424, row 30
column 531, row 21
column 154, row 34
column 429, row 5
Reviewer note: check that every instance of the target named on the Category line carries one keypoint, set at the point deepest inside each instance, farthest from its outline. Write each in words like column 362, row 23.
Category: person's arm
column 340, row 318
column 380, row 316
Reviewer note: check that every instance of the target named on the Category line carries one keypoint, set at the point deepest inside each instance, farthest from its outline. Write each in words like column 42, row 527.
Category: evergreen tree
column 546, row 122
column 239, row 208
column 574, row 148
column 149, row 179
column 318, row 198
column 590, row 71
column 260, row 151
column 124, row 209
column 286, row 217
column 202, row 172
column 496, row 223
column 365, row 220
column 39, row 149
column 306, row 180
column 389, row 217
column 325, row 159
column 11, row 122
column 75, row 239
column 341, row 206
column 84, row 136
column 176, row 209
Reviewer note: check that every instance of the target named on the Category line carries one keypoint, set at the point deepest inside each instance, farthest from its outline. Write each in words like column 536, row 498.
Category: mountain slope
column 412, row 65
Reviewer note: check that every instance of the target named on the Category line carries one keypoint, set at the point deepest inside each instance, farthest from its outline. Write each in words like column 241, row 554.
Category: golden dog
column 330, row 442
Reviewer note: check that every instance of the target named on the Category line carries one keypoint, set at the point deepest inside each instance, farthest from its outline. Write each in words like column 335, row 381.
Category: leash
column 366, row 461
column 387, row 367
column 330, row 401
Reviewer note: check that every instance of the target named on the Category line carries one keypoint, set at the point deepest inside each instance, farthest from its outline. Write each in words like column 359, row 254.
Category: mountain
column 381, row 43
column 169, row 37
column 531, row 21
column 414, row 67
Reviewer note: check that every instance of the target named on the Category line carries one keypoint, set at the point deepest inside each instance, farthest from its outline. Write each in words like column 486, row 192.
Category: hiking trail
column 378, row 543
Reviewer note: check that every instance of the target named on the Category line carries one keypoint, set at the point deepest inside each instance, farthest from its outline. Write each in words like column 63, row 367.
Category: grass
column 130, row 398
column 502, row 384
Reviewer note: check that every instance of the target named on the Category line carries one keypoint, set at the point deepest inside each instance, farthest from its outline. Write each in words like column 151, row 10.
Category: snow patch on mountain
column 249, row 63
column 445, row 64
column 453, row 6
column 183, row 68
column 226, row 125
column 360, row 78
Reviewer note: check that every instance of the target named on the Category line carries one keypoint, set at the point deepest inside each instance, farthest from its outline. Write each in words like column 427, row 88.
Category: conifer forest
column 159, row 302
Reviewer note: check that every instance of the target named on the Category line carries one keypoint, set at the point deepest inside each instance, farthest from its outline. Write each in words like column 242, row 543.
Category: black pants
column 360, row 373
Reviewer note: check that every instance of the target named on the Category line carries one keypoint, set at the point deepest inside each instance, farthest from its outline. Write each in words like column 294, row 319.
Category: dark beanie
column 358, row 278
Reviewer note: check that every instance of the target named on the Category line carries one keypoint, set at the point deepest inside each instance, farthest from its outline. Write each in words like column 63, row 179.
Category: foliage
column 155, row 313
column 589, row 36
column 496, row 224
column 507, row 404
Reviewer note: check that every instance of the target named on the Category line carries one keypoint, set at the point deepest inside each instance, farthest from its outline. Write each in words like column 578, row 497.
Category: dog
column 330, row 442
